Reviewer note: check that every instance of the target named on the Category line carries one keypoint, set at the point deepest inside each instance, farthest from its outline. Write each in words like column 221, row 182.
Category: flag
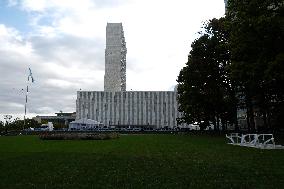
column 30, row 75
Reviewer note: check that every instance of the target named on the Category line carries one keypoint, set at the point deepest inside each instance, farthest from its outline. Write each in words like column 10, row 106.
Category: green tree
column 205, row 93
column 240, row 59
column 2, row 126
column 256, row 45
column 18, row 124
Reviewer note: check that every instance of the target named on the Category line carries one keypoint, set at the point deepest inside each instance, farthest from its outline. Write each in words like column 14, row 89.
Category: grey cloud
column 65, row 48
column 45, row 98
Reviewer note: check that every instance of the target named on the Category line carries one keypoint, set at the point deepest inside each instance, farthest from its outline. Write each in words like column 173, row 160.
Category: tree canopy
column 204, row 90
column 237, row 62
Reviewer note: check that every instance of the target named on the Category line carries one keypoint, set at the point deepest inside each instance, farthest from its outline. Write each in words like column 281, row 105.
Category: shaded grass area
column 137, row 161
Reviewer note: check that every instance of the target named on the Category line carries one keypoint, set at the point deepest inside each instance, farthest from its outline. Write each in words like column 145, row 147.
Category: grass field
column 137, row 161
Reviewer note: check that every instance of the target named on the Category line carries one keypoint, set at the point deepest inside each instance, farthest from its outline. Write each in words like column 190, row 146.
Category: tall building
column 117, row 107
column 115, row 58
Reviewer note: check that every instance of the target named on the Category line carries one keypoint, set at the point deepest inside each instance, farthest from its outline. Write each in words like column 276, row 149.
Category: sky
column 63, row 42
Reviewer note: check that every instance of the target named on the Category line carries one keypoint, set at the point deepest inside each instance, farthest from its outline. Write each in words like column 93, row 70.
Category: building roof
column 66, row 114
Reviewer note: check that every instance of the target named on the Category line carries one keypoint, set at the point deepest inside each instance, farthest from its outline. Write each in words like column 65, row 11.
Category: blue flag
column 30, row 75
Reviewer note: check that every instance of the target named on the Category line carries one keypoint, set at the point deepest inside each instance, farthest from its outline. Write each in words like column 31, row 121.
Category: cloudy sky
column 63, row 43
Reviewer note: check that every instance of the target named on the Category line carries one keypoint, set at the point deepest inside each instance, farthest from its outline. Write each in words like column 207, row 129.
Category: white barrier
column 235, row 138
column 262, row 141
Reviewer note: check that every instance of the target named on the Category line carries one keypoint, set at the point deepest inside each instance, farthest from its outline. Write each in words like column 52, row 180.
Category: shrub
column 78, row 136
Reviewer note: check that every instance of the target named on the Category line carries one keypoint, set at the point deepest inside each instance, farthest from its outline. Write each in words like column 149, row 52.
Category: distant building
column 116, row 107
column 61, row 118
column 115, row 58
column 157, row 109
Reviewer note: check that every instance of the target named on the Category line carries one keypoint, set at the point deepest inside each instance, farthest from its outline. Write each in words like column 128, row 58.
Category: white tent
column 85, row 124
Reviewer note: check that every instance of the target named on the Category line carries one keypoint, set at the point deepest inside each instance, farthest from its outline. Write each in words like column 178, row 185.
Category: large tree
column 238, row 56
column 256, row 45
column 205, row 93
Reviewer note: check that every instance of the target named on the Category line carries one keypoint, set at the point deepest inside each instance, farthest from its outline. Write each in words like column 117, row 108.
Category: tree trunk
column 236, row 121
column 215, row 123
column 251, row 118
column 223, row 125
column 265, row 120
column 250, row 114
column 218, row 123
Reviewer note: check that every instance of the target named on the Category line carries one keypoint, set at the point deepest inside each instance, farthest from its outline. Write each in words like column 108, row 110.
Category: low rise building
column 156, row 109
column 61, row 118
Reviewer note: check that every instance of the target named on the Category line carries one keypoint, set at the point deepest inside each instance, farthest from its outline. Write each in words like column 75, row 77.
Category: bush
column 78, row 136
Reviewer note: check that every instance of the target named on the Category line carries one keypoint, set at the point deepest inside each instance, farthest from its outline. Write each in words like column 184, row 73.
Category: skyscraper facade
column 117, row 107
column 132, row 108
column 115, row 58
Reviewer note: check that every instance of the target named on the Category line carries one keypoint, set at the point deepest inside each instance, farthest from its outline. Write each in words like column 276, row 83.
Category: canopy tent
column 84, row 124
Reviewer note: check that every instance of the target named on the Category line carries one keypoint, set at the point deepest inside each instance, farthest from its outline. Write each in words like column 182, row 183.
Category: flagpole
column 26, row 101
column 27, row 92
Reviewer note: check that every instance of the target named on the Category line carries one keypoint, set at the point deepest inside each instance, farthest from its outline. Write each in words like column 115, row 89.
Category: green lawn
column 137, row 161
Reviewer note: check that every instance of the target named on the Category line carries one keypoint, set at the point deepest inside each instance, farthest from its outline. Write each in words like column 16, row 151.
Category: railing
column 263, row 141
column 235, row 138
